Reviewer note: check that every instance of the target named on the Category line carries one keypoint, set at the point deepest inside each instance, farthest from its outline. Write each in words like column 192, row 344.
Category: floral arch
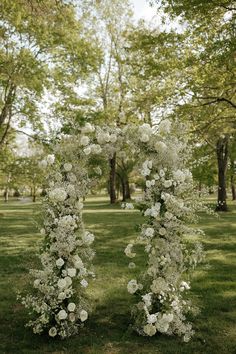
column 169, row 204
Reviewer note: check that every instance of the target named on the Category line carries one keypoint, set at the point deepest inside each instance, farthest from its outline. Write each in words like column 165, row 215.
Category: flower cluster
column 58, row 301
column 169, row 205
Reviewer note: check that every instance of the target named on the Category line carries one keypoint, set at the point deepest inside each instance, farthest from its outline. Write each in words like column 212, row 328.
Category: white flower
column 61, row 283
column 88, row 238
column 132, row 286
column 184, row 286
column 179, row 176
column 144, row 138
column 132, row 265
column 84, row 283
column 162, row 231
column 167, row 183
column 150, row 184
column 87, row 150
column 59, row 262
column 36, row 283
column 61, row 296
column 67, row 221
column 98, row 170
column 103, row 138
column 72, row 317
column 153, row 211
column 152, row 318
column 68, row 281
column 78, row 263
column 113, row 138
column 150, row 330
column 159, row 285
column 84, row 141
column 163, row 322
column 96, row 149
column 67, row 167
column 79, row 205
column 71, row 272
column 145, row 132
column 52, row 332
column 88, row 128
column 50, row 159
column 62, row 315
column 147, row 298
column 162, row 173
column 57, row 195
column 83, row 315
column 71, row 307
column 149, row 232
column 168, row 215
column 160, row 147
column 165, row 126
column 42, row 231
column 128, row 251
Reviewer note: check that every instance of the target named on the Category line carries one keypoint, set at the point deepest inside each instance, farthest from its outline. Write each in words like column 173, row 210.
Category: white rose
column 88, row 128
column 67, row 167
column 84, row 141
column 167, row 183
column 83, row 315
column 84, row 283
column 162, row 231
column 144, row 138
column 132, row 265
column 71, row 307
column 132, row 286
column 79, row 205
column 36, row 283
column 50, row 159
column 72, row 317
column 71, row 272
column 52, row 332
column 61, row 283
column 59, row 262
column 62, row 315
column 61, row 296
column 152, row 318
column 149, row 329
column 149, row 232
column 58, row 195
column 87, row 150
column 113, row 138
column 68, row 281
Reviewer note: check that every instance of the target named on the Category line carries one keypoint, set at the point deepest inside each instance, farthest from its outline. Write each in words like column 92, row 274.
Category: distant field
column 107, row 331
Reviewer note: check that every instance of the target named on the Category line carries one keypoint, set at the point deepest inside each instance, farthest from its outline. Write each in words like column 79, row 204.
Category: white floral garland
column 169, row 205
column 59, row 302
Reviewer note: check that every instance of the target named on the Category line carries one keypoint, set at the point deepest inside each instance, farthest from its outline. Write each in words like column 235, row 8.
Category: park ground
column 108, row 329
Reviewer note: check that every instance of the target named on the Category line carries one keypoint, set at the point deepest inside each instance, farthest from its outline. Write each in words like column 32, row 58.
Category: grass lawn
column 107, row 330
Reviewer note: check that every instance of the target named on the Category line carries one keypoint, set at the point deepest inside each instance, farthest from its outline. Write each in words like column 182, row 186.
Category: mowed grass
column 108, row 329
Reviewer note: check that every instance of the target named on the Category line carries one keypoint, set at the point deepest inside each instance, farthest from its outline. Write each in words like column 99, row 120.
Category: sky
column 142, row 9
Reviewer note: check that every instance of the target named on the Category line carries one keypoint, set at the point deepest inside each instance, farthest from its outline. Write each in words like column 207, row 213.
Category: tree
column 38, row 40
column 197, row 79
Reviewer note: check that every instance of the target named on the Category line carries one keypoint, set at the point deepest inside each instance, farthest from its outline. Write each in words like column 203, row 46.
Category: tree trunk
column 112, row 179
column 6, row 195
column 127, row 188
column 34, row 194
column 233, row 187
column 222, row 160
